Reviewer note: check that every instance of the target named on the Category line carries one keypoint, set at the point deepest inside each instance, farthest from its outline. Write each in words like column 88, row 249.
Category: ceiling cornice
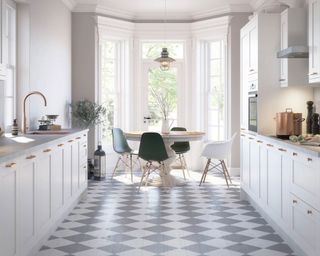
column 178, row 16
column 69, row 3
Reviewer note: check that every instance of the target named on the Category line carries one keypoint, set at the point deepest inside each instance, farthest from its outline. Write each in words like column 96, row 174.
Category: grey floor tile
column 185, row 221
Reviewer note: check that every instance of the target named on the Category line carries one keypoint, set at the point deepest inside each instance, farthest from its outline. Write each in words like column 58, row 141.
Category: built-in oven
column 253, row 105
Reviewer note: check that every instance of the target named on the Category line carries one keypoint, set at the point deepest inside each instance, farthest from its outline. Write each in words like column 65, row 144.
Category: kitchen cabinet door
column 274, row 181
column 245, row 160
column 27, row 202
column 75, row 167
column 284, row 44
column 314, row 41
column 67, row 171
column 253, row 47
column 244, row 78
column 8, row 199
column 255, row 168
column 286, row 188
column 56, row 180
column 42, row 190
column 306, row 226
column 263, row 174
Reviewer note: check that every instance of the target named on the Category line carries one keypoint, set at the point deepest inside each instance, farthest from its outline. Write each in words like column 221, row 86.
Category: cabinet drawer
column 306, row 179
column 306, row 226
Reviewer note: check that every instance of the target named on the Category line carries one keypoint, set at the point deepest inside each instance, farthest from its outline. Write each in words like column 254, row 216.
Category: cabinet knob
column 78, row 138
column 309, row 212
column 270, row 145
column 47, row 150
column 251, row 138
column 282, row 80
column 85, row 145
column 294, row 201
column 84, row 135
column 11, row 165
column 313, row 74
column 309, row 159
column 30, row 157
column 282, row 149
column 259, row 141
column 294, row 154
column 70, row 141
column 60, row 145
column 251, row 70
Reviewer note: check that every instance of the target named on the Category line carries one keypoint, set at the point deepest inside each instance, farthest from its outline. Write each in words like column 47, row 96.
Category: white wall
column 236, row 23
column 44, row 58
column 84, row 63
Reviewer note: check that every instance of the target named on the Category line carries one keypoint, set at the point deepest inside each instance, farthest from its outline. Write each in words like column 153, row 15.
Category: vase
column 165, row 128
column 309, row 117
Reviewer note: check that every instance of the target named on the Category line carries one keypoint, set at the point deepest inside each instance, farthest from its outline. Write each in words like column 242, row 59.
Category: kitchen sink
column 48, row 132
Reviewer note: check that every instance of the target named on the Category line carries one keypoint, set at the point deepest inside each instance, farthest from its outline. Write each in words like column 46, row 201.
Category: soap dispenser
column 14, row 128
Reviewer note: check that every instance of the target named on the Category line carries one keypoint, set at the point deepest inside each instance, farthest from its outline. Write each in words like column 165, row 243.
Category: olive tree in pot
column 87, row 114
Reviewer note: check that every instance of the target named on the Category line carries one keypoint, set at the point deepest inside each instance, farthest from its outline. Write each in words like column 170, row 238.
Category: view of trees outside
column 162, row 97
column 109, row 88
column 216, row 100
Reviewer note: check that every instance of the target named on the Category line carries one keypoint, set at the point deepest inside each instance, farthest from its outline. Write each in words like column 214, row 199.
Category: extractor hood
column 294, row 52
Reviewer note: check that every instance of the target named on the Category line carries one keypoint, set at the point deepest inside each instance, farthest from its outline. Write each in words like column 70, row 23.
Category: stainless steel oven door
column 253, row 111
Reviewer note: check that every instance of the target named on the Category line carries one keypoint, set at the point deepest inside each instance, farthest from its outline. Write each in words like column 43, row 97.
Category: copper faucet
column 24, row 127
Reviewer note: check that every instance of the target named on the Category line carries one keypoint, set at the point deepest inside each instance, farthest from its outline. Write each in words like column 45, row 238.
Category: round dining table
column 169, row 139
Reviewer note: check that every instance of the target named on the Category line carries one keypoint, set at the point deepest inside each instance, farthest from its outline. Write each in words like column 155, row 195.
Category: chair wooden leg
column 182, row 166
column 131, row 168
column 204, row 174
column 227, row 171
column 185, row 165
column 145, row 169
column 115, row 168
column 224, row 172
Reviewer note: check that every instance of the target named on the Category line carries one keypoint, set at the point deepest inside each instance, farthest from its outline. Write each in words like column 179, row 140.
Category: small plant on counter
column 86, row 114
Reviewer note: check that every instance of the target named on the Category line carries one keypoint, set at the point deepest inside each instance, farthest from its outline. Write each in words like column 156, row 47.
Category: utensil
column 285, row 124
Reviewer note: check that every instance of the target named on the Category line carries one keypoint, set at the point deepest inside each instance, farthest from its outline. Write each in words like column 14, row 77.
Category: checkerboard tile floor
column 190, row 220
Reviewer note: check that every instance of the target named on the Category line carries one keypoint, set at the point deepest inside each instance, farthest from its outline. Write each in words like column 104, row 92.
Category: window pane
column 215, row 50
column 215, row 66
column 153, row 50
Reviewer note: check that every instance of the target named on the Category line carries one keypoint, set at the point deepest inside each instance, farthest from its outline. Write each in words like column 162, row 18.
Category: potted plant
column 87, row 114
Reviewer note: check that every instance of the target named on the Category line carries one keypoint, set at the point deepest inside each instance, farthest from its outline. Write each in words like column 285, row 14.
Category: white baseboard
column 234, row 172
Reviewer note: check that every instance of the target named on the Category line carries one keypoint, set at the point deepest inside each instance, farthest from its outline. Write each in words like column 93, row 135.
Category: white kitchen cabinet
column 274, row 180
column 306, row 179
column 8, row 199
column 314, row 41
column 288, row 191
column 293, row 71
column 26, row 214
column 253, row 46
column 67, row 171
column 36, row 191
column 306, row 226
column 42, row 189
column 57, row 171
column 245, row 161
column 254, row 167
column 75, row 166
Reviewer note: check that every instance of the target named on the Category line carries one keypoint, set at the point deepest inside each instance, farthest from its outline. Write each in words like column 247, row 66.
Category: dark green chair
column 153, row 150
column 180, row 148
column 120, row 146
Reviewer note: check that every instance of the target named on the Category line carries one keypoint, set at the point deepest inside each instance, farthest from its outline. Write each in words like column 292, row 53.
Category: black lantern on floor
column 100, row 164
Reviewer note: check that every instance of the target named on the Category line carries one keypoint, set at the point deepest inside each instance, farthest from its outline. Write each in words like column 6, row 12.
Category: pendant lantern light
column 164, row 59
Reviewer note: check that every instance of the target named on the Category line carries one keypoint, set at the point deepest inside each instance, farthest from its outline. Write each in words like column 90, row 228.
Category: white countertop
column 311, row 150
column 14, row 146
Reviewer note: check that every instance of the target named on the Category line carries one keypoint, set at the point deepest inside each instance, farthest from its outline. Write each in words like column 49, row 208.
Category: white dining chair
column 217, row 151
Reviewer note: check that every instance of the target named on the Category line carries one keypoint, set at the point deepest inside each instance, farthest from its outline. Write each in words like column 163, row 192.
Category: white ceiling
column 154, row 9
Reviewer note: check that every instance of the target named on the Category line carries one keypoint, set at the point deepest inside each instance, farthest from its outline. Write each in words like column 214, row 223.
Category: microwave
column 253, row 111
